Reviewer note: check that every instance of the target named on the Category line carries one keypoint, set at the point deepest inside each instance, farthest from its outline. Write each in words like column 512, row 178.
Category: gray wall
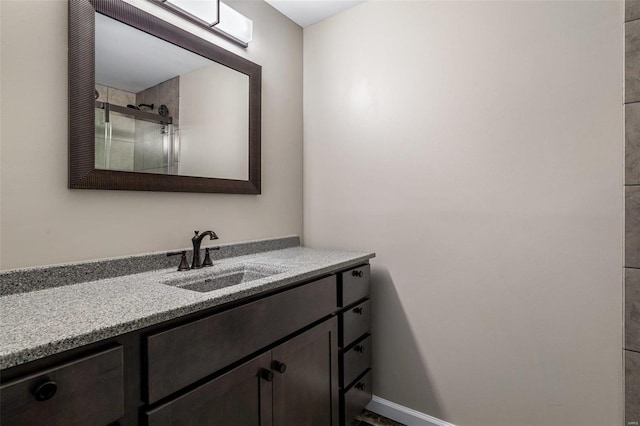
column 477, row 148
column 42, row 222
column 632, row 212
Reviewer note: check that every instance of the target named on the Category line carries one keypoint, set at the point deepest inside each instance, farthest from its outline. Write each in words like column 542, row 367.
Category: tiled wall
column 135, row 144
column 166, row 93
column 632, row 213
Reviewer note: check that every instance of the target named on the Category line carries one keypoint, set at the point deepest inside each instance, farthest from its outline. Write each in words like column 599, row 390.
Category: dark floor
column 368, row 418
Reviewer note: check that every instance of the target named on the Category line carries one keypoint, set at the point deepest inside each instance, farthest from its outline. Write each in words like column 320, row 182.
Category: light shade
column 234, row 25
column 205, row 10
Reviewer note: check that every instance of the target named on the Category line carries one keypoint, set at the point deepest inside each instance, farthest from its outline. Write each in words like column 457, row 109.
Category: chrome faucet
column 196, row 241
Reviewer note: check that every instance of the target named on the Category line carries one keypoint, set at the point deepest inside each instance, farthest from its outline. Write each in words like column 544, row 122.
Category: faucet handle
column 207, row 256
column 184, row 264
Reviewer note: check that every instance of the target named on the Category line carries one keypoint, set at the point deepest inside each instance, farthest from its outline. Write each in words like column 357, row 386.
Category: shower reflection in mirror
column 136, row 133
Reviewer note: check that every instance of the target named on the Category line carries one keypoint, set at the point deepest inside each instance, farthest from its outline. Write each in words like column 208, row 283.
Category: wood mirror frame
column 82, row 171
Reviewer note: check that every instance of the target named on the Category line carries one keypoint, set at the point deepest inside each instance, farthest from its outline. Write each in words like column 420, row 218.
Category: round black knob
column 163, row 110
column 358, row 311
column 357, row 274
column 280, row 367
column 361, row 386
column 359, row 348
column 266, row 375
column 45, row 390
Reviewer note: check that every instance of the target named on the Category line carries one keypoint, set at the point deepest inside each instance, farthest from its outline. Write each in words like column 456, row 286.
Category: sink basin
column 225, row 276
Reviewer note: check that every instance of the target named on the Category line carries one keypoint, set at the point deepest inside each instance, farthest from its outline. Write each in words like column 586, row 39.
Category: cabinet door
column 241, row 397
column 202, row 347
column 305, row 386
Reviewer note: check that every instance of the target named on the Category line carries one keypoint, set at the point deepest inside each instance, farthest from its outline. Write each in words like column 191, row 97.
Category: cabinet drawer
column 353, row 285
column 355, row 361
column 185, row 354
column 356, row 398
column 88, row 391
column 355, row 322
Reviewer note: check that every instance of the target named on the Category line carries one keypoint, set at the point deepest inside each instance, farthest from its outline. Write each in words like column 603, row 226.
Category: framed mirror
column 153, row 107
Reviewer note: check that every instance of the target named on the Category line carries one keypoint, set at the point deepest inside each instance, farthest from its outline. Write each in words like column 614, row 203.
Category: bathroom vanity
column 292, row 347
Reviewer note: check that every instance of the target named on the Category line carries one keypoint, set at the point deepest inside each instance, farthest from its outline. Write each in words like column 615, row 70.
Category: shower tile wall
column 632, row 213
column 121, row 150
column 167, row 93
column 150, row 154
column 632, row 310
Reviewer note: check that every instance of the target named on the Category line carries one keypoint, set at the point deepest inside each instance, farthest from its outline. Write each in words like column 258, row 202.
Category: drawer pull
column 45, row 390
column 359, row 348
column 358, row 311
column 266, row 375
column 280, row 367
column 361, row 386
column 356, row 274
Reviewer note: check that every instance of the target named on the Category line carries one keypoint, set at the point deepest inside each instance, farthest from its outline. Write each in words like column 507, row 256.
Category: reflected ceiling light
column 234, row 25
column 204, row 11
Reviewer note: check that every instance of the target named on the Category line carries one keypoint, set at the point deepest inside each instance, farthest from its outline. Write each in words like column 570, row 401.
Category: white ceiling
column 308, row 12
column 132, row 60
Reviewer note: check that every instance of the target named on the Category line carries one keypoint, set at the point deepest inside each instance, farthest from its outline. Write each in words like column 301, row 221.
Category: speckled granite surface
column 44, row 322
column 41, row 277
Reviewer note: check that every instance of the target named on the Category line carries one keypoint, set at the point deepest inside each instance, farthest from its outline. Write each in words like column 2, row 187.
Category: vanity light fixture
column 215, row 16
column 205, row 12
column 234, row 25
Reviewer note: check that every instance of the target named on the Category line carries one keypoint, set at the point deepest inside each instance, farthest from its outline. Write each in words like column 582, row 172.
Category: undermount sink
column 225, row 276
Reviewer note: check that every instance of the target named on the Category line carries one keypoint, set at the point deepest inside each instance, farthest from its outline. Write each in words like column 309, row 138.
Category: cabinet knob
column 44, row 390
column 356, row 274
column 266, row 375
column 358, row 311
column 280, row 367
column 359, row 348
column 361, row 386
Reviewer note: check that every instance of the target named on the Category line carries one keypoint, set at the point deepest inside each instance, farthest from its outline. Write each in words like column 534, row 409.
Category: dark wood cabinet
column 355, row 322
column 353, row 285
column 357, row 397
column 296, row 383
column 202, row 347
column 355, row 360
column 275, row 359
column 305, row 386
column 354, row 332
column 86, row 391
column 241, row 397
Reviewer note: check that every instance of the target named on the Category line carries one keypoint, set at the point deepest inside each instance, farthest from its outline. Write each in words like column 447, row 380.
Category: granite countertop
column 44, row 322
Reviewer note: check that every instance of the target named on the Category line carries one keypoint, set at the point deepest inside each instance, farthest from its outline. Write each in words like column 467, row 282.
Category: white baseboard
column 402, row 414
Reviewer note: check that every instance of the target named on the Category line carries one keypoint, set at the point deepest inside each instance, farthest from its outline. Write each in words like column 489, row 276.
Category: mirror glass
column 162, row 109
